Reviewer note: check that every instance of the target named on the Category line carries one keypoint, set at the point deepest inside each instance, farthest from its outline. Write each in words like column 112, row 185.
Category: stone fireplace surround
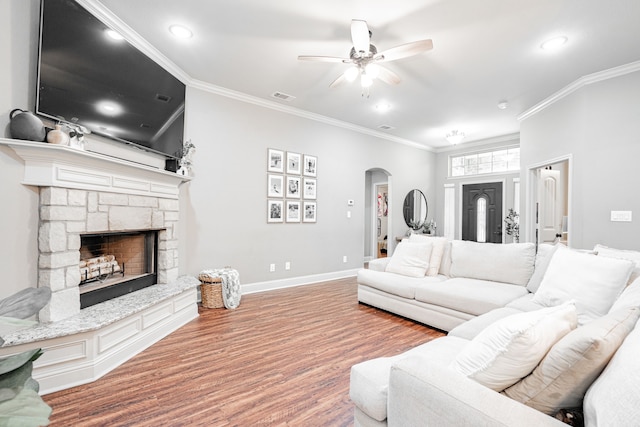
column 82, row 192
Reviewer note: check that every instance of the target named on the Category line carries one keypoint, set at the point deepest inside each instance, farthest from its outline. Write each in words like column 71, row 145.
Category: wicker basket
column 211, row 292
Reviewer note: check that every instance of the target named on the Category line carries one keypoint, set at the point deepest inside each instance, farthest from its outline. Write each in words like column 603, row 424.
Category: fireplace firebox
column 113, row 264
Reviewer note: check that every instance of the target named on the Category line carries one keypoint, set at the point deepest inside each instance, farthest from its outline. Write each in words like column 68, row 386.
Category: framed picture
column 310, row 165
column 294, row 162
column 274, row 210
column 275, row 163
column 275, row 186
column 293, row 211
column 309, row 212
column 309, row 188
column 293, row 187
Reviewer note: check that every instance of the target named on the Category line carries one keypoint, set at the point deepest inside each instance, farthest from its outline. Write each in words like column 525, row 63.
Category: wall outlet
column 621, row 216
column 344, row 258
column 287, row 265
column 272, row 268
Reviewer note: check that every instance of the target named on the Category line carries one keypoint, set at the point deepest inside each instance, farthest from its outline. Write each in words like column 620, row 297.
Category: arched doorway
column 377, row 213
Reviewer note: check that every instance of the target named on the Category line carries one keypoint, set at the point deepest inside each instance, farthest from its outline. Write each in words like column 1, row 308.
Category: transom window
column 499, row 161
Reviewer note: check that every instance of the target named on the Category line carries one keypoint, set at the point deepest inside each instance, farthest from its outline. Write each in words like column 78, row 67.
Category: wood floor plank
column 282, row 358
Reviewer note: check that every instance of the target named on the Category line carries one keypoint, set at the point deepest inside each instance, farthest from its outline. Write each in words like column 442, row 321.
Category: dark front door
column 482, row 212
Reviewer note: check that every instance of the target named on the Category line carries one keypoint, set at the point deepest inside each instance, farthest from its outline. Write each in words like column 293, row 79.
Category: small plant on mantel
column 186, row 161
column 512, row 225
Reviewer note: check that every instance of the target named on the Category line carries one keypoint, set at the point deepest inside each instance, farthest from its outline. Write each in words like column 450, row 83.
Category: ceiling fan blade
column 387, row 76
column 360, row 36
column 323, row 58
column 337, row 82
column 405, row 50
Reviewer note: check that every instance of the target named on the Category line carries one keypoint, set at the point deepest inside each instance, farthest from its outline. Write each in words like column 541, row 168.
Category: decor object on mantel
column 512, row 225
column 26, row 125
column 58, row 136
column 188, row 148
column 20, row 403
column 76, row 135
column 230, row 280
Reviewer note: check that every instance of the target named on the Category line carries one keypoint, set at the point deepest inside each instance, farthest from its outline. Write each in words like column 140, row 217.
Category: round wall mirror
column 415, row 209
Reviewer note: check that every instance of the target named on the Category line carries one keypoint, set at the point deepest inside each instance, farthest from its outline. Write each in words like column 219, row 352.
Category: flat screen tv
column 87, row 77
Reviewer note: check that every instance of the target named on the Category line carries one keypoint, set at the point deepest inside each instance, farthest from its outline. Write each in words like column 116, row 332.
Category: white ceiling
column 485, row 51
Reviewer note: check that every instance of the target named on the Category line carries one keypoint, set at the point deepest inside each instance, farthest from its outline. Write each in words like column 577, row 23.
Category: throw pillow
column 410, row 259
column 630, row 297
column 593, row 282
column 543, row 257
column 509, row 349
column 436, row 254
column 573, row 363
column 621, row 254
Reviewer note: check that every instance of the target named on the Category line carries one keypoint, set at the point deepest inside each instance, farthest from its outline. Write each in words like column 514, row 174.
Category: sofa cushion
column 543, row 257
column 510, row 348
column 395, row 284
column 510, row 263
column 439, row 244
column 594, row 282
column 630, row 297
column 471, row 328
column 612, row 400
column 410, row 259
column 573, row 363
column 369, row 381
column 468, row 295
column 525, row 303
column 621, row 254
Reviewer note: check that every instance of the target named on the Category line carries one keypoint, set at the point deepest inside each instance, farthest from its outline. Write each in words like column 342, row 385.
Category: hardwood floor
column 282, row 358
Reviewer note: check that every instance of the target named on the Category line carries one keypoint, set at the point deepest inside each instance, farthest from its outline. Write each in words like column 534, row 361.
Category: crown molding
column 580, row 83
column 110, row 19
column 512, row 137
column 250, row 99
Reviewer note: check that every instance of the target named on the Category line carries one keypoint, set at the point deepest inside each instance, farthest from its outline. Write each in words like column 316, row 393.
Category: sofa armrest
column 378, row 264
column 423, row 393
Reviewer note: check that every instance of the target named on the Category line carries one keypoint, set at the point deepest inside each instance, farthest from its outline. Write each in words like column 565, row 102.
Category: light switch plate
column 621, row 216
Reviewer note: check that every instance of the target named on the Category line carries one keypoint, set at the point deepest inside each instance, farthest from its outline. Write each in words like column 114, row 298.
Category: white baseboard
column 297, row 281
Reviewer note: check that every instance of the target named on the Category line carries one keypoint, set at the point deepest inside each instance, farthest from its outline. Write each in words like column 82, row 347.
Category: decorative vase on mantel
column 58, row 136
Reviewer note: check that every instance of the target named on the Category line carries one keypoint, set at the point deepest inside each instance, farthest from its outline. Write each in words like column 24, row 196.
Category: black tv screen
column 107, row 85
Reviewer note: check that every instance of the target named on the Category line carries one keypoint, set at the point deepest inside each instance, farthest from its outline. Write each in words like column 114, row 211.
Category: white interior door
column 551, row 196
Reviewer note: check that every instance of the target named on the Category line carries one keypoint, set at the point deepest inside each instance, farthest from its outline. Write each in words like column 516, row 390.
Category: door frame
column 532, row 196
column 374, row 220
column 503, row 181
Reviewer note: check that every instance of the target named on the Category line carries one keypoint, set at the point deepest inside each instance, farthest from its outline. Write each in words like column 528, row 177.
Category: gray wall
column 227, row 219
column 19, row 213
column 223, row 218
column 599, row 126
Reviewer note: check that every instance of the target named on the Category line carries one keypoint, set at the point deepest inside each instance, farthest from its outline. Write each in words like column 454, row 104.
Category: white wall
column 227, row 217
column 598, row 124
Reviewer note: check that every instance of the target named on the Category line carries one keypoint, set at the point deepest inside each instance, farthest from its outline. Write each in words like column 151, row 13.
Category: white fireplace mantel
column 49, row 165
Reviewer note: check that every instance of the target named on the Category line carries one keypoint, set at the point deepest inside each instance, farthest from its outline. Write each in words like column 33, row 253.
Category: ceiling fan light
column 365, row 80
column 372, row 70
column 454, row 137
column 351, row 74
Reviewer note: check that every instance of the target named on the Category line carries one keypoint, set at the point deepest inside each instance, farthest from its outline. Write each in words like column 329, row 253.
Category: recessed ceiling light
column 113, row 35
column 382, row 107
column 554, row 43
column 180, row 31
column 503, row 105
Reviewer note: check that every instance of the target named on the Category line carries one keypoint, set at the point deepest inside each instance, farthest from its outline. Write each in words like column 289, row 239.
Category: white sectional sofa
column 520, row 347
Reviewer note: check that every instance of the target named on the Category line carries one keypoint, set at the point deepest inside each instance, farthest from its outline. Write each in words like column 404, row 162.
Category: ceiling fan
column 366, row 59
